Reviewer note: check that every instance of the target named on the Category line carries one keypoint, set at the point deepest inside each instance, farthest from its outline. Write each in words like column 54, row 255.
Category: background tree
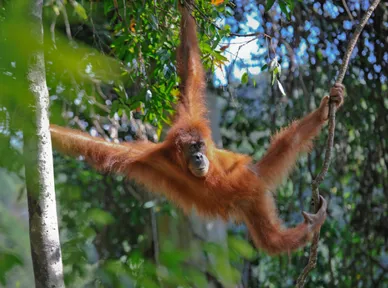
column 39, row 171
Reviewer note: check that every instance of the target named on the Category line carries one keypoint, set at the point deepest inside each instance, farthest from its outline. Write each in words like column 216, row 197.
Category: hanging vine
column 312, row 262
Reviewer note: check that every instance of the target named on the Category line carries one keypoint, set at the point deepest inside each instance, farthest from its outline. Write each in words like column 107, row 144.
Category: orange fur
column 190, row 71
column 234, row 185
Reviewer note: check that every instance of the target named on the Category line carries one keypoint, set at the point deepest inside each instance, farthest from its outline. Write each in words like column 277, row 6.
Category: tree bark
column 44, row 236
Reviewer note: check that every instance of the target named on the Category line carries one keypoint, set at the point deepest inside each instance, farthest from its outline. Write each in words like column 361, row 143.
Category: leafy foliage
column 308, row 51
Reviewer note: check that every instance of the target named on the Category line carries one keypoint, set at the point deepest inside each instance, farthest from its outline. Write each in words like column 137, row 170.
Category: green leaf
column 283, row 8
column 80, row 10
column 205, row 48
column 108, row 6
column 269, row 4
column 89, row 232
column 114, row 108
column 320, row 55
column 264, row 67
column 7, row 262
column 114, row 266
column 196, row 277
column 242, row 247
column 291, row 4
column 244, row 78
column 220, row 57
column 100, row 217
column 275, row 71
column 146, row 282
column 56, row 10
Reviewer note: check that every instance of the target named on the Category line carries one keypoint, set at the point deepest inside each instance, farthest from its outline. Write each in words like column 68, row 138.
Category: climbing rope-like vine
column 312, row 262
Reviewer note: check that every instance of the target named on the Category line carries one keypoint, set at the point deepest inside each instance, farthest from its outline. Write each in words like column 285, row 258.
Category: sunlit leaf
column 281, row 88
column 100, row 217
column 242, row 247
column 219, row 59
column 273, row 79
column 244, row 78
column 56, row 10
column 175, row 92
column 79, row 10
column 277, row 70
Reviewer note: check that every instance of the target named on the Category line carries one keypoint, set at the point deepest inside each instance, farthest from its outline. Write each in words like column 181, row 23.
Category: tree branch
column 329, row 144
column 347, row 10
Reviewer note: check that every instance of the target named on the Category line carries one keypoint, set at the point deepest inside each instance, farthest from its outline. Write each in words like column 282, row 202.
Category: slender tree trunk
column 44, row 236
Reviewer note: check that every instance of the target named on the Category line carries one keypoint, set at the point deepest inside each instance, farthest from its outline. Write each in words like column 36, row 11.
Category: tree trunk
column 44, row 236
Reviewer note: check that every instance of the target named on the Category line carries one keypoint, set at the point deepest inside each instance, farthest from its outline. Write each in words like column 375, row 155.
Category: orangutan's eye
column 193, row 147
